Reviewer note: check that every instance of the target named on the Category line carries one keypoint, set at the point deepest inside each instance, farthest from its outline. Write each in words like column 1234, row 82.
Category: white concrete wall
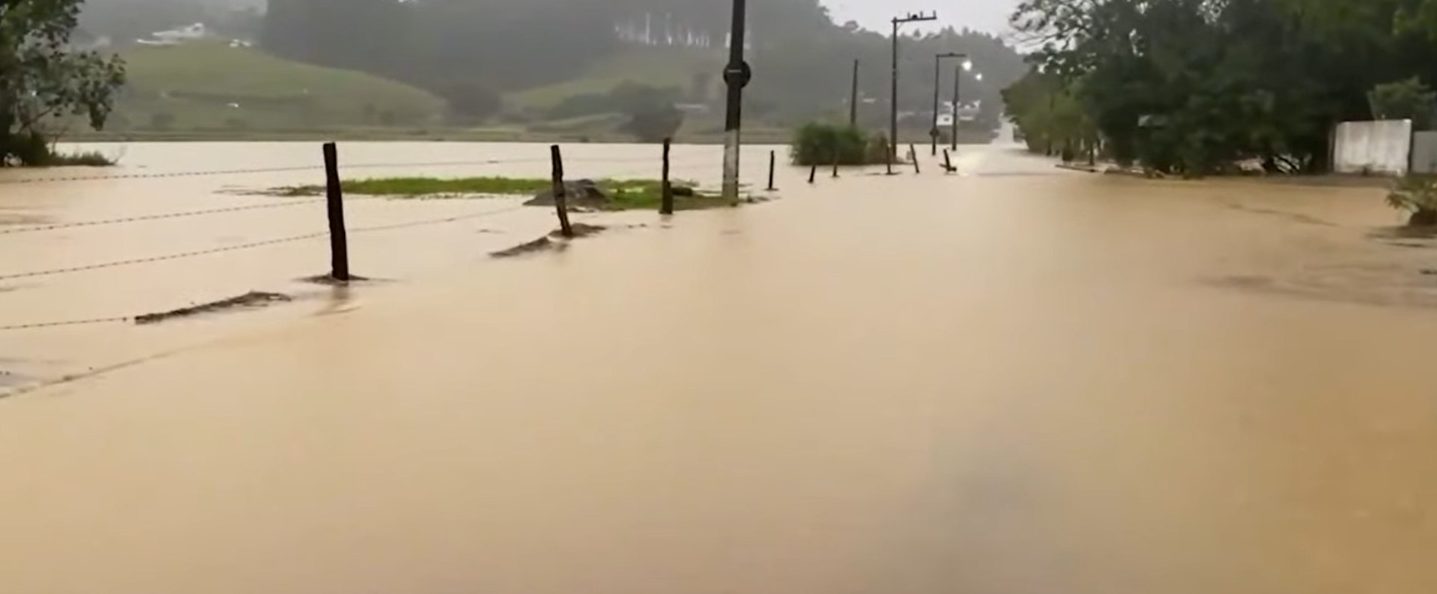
column 1424, row 152
column 1374, row 147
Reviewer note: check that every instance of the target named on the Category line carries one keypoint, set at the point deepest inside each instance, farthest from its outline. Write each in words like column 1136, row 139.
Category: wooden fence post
column 667, row 188
column 888, row 153
column 912, row 152
column 835, row 162
column 772, row 162
column 561, row 202
column 334, row 195
column 813, row 172
column 947, row 162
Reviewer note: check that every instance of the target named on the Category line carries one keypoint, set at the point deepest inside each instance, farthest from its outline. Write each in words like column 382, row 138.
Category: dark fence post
column 334, row 194
column 947, row 162
column 813, row 172
column 913, row 153
column 835, row 162
column 888, row 153
column 561, row 201
column 668, row 188
column 772, row 162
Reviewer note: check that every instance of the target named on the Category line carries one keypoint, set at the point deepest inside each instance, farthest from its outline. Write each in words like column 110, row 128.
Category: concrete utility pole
column 933, row 132
column 853, row 99
column 893, row 108
column 963, row 66
column 737, row 74
column 966, row 64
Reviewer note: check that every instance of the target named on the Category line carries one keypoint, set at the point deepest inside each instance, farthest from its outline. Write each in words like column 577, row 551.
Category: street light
column 957, row 96
column 937, row 77
column 893, row 115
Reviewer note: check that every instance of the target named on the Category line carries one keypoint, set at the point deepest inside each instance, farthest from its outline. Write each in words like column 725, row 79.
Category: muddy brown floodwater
column 1017, row 380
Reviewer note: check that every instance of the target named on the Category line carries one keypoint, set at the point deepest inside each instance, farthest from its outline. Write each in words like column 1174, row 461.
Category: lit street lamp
column 957, row 96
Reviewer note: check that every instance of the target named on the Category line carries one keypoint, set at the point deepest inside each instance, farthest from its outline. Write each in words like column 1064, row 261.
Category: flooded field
column 1010, row 381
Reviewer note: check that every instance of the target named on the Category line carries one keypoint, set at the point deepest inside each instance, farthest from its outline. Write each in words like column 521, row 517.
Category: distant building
column 175, row 37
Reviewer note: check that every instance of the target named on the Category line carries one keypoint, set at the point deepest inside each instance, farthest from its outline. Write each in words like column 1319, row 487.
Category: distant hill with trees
column 518, row 63
column 801, row 58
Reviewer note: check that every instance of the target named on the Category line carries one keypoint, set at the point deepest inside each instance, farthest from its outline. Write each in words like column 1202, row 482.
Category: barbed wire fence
column 334, row 193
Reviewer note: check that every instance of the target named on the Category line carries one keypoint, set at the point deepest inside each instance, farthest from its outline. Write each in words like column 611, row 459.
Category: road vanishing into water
column 1016, row 380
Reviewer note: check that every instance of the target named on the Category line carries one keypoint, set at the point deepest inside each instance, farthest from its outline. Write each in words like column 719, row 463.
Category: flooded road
column 1012, row 381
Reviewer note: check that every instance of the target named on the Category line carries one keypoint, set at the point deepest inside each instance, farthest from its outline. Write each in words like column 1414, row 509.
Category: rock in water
column 583, row 192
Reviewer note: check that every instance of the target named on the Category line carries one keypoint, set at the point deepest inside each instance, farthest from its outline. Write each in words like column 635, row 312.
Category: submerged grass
column 624, row 194
column 80, row 159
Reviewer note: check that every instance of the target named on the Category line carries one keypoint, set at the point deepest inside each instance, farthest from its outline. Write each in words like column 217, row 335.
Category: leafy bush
column 818, row 144
column 1416, row 194
column 471, row 99
column 654, row 123
column 30, row 149
column 80, row 159
column 1404, row 100
column 628, row 97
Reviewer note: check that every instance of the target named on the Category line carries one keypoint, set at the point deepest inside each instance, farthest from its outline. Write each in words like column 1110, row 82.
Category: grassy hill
column 213, row 91
column 653, row 66
column 211, row 86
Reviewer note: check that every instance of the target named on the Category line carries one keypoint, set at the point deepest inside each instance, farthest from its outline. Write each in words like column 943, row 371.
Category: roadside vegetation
column 1416, row 194
column 1202, row 87
column 45, row 83
column 627, row 194
column 823, row 144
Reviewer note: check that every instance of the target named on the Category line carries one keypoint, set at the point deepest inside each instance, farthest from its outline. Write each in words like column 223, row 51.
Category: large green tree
column 1197, row 86
column 44, row 80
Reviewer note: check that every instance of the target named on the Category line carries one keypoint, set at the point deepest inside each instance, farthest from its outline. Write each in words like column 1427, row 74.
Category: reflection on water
column 983, row 384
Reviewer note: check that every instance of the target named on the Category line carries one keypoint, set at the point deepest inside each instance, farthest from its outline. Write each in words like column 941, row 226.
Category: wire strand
column 156, row 217
column 215, row 172
column 131, row 262
column 39, row 325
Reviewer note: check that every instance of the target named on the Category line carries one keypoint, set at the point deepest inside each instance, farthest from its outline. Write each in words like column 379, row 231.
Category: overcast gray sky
column 983, row 15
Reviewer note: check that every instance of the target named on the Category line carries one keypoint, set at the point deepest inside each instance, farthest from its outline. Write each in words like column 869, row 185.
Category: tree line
column 1196, row 87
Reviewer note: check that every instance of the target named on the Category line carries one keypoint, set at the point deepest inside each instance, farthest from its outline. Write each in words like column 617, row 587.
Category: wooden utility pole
column 561, row 202
column 667, row 189
column 853, row 99
column 338, row 236
column 772, row 164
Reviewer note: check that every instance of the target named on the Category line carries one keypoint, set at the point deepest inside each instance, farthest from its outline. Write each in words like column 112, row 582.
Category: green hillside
column 657, row 67
column 211, row 86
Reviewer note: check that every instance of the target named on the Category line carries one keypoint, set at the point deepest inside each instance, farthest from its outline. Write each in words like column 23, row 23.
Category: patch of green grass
column 627, row 194
column 415, row 187
column 427, row 186
column 647, row 194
